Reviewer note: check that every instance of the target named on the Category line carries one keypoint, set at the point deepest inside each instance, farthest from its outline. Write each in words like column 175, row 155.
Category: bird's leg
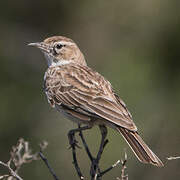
column 95, row 162
column 71, row 135
column 73, row 144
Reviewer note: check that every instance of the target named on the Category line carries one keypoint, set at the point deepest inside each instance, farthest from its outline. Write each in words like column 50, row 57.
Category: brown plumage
column 85, row 96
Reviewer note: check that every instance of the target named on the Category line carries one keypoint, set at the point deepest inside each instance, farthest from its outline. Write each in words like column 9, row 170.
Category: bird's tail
column 140, row 149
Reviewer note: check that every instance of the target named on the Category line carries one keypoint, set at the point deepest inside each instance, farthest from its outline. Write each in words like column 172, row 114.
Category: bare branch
column 19, row 155
column 173, row 158
column 123, row 163
column 108, row 169
column 48, row 165
column 11, row 174
column 95, row 171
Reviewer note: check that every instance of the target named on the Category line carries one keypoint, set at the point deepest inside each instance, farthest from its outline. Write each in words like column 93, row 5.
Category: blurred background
column 134, row 44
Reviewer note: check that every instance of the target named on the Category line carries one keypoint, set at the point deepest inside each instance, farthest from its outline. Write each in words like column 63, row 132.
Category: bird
column 85, row 96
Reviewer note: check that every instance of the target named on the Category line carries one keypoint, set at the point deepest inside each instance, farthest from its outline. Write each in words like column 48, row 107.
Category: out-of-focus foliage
column 134, row 44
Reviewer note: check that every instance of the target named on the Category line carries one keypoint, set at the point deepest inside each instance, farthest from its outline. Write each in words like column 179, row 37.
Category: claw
column 73, row 142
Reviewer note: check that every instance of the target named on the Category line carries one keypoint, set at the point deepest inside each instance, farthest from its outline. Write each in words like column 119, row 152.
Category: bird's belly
column 91, row 122
column 70, row 117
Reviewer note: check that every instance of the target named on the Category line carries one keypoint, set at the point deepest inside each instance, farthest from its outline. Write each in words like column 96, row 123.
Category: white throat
column 51, row 63
column 60, row 63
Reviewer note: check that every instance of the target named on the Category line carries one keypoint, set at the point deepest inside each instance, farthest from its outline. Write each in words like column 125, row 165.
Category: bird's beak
column 41, row 45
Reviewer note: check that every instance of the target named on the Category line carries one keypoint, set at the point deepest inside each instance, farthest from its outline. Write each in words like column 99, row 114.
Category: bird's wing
column 82, row 89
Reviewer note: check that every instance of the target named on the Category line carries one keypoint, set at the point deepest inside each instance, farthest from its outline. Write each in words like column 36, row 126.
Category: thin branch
column 48, row 165
column 85, row 145
column 123, row 175
column 95, row 170
column 20, row 154
column 173, row 158
column 73, row 145
column 108, row 169
column 12, row 173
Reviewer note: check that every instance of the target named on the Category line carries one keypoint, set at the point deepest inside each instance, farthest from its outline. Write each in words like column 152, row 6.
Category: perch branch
column 73, row 145
column 95, row 162
column 95, row 172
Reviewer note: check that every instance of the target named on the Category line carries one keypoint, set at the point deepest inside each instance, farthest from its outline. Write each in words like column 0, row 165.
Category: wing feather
column 87, row 91
column 104, row 108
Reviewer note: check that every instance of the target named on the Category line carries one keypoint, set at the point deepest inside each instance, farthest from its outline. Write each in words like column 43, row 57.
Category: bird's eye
column 59, row 46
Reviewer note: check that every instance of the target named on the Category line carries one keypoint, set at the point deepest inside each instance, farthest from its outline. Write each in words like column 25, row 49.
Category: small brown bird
column 85, row 96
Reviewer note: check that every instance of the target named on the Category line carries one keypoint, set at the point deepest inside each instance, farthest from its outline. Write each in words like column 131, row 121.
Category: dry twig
column 20, row 154
column 173, row 158
column 123, row 175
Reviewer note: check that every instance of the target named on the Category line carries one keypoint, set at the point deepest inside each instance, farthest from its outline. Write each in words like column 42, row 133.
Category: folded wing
column 86, row 91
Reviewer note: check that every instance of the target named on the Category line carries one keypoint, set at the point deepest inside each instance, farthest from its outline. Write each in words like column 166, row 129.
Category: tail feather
column 140, row 149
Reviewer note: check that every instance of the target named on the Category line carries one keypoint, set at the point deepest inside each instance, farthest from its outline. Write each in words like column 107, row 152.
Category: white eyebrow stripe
column 66, row 43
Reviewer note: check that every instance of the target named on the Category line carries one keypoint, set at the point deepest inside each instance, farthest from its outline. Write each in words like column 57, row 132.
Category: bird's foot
column 72, row 140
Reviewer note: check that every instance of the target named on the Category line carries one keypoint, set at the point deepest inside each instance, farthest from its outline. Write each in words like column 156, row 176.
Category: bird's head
column 60, row 50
